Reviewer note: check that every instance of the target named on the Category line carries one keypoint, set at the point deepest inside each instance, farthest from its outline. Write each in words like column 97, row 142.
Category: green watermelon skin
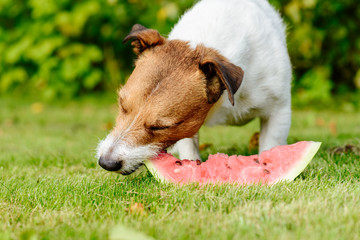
column 282, row 163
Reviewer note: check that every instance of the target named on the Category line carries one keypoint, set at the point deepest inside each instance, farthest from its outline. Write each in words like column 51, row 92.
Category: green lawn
column 52, row 188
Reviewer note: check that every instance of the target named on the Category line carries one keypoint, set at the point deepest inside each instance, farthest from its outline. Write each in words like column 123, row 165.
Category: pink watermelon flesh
column 282, row 163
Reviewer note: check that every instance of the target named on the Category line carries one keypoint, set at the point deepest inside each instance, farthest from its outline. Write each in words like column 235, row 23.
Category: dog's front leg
column 188, row 148
column 275, row 128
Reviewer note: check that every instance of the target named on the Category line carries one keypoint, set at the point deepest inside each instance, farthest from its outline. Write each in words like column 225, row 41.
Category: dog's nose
column 110, row 165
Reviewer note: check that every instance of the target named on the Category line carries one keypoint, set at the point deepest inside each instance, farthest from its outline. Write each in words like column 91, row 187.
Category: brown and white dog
column 194, row 77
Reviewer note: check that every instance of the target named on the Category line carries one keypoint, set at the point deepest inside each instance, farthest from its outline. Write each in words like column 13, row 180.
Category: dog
column 224, row 62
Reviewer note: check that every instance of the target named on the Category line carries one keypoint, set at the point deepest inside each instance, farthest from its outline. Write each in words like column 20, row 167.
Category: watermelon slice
column 282, row 163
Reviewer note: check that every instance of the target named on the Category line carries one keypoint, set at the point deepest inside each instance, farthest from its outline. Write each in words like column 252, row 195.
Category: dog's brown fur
column 171, row 89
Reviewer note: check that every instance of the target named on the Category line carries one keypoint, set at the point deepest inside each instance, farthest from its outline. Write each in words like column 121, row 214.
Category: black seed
column 264, row 163
column 266, row 171
column 198, row 162
column 179, row 163
column 228, row 166
column 256, row 160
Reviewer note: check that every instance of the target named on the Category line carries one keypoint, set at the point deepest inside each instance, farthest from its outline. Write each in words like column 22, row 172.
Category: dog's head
column 166, row 98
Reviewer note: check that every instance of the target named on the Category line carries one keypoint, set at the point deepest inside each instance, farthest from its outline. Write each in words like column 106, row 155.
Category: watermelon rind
column 308, row 155
column 153, row 170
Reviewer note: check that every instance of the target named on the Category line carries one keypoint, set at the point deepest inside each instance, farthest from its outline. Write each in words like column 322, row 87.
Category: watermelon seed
column 198, row 162
column 264, row 163
column 256, row 160
column 227, row 165
column 266, row 171
column 178, row 163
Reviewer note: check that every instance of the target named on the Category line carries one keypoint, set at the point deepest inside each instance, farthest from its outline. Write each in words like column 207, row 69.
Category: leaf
column 205, row 146
column 254, row 142
column 14, row 77
column 44, row 49
column 136, row 208
column 318, row 85
column 357, row 79
column 93, row 79
column 16, row 50
column 293, row 11
column 42, row 8
column 309, row 3
column 348, row 148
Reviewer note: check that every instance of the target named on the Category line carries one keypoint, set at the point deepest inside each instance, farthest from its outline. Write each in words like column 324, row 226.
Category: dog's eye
column 123, row 109
column 121, row 105
column 156, row 128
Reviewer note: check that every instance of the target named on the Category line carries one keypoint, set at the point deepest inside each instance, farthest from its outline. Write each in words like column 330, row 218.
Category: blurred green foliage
column 66, row 47
column 324, row 45
column 70, row 47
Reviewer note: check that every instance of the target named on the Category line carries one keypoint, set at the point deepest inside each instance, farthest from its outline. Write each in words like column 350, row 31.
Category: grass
column 52, row 188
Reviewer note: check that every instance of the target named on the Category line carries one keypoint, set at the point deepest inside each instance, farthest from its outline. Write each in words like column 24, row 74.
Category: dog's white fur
column 115, row 148
column 251, row 34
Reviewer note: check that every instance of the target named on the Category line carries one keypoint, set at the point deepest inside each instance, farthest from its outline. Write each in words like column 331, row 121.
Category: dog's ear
column 143, row 38
column 216, row 67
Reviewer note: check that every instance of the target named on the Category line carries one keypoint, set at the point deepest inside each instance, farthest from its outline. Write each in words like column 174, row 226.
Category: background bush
column 65, row 48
